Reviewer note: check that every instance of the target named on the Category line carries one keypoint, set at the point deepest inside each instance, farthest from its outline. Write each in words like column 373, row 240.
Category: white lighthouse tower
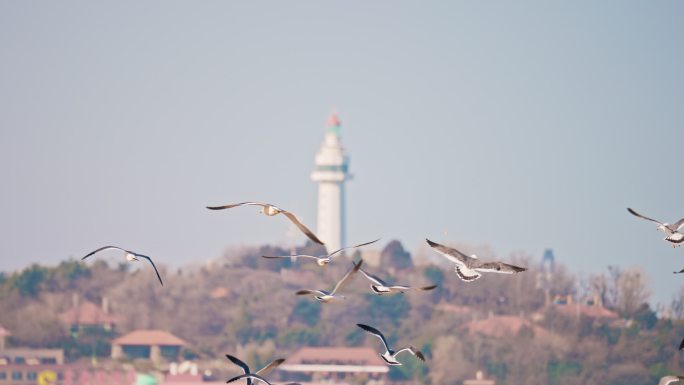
column 331, row 172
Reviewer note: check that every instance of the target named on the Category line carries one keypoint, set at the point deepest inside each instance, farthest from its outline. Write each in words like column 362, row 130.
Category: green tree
column 29, row 280
column 395, row 256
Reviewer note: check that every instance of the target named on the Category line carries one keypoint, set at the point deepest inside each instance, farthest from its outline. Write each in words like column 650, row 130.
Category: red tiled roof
column 87, row 313
column 335, row 356
column 149, row 337
column 504, row 326
column 586, row 310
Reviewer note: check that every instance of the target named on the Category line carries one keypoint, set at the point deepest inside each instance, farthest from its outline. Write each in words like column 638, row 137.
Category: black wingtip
column 429, row 242
column 681, row 345
column 365, row 327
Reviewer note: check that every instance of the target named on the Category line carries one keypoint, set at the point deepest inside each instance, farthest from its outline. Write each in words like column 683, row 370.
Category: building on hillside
column 332, row 170
column 63, row 374
column 592, row 309
column 155, row 345
column 479, row 380
column 333, row 365
column 505, row 326
column 28, row 356
column 86, row 315
column 456, row 310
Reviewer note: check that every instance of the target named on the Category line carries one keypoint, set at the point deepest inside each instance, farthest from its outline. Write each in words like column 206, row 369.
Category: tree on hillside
column 622, row 290
column 394, row 255
column 29, row 280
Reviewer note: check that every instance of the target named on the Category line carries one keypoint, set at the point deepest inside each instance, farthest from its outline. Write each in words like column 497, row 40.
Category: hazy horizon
column 522, row 126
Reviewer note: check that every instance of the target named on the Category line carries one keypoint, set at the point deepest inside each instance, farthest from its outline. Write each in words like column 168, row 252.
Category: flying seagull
column 249, row 376
column 380, row 287
column 271, row 210
column 669, row 379
column 322, row 260
column 390, row 356
column 469, row 268
column 130, row 256
column 325, row 296
column 671, row 230
column 263, row 371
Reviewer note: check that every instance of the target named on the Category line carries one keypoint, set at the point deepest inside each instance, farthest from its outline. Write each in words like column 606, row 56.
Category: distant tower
column 331, row 173
column 548, row 267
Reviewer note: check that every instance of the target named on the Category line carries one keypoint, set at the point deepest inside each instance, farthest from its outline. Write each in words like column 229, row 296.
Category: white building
column 331, row 172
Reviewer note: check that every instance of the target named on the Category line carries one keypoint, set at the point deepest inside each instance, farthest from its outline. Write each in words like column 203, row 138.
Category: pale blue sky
column 522, row 125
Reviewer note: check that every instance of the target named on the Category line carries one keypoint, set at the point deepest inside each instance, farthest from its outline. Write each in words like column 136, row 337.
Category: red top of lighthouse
column 333, row 120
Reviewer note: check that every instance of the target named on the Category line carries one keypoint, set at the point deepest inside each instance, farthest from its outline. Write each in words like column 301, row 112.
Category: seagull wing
column 272, row 365
column 678, row 225
column 643, row 217
column 155, row 267
column 301, row 226
column 496, row 267
column 238, row 204
column 248, row 376
column 290, row 256
column 375, row 332
column 239, row 363
column 104, row 248
column 681, row 345
column 428, row 288
column 679, row 272
column 669, row 379
column 413, row 351
column 425, row 288
column 373, row 278
column 451, row 254
column 344, row 279
column 310, row 292
column 352, row 247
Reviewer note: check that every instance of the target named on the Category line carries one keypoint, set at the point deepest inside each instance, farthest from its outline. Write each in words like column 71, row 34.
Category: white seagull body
column 469, row 268
column 671, row 230
column 130, row 257
column 325, row 296
column 390, row 356
column 379, row 286
column 669, row 379
column 245, row 368
column 271, row 210
column 257, row 377
column 322, row 260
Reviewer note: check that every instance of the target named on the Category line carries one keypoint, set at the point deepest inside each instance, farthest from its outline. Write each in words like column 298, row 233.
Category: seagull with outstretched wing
column 380, row 287
column 469, row 268
column 130, row 257
column 325, row 296
column 390, row 356
column 250, row 376
column 262, row 372
column 271, row 210
column 322, row 260
column 673, row 236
